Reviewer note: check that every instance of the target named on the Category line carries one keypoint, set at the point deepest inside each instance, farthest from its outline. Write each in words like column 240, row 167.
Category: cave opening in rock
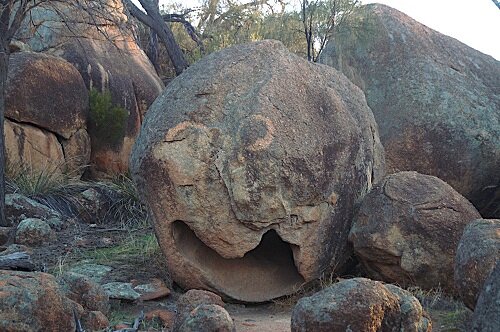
column 266, row 272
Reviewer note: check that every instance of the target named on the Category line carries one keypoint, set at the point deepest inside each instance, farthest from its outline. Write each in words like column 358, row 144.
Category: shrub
column 107, row 121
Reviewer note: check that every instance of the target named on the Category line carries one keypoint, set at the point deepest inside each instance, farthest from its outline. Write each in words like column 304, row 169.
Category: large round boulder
column 477, row 254
column 252, row 161
column 436, row 100
column 407, row 230
column 360, row 304
column 99, row 42
column 47, row 92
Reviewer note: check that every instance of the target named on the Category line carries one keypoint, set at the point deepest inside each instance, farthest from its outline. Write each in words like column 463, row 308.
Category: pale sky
column 473, row 22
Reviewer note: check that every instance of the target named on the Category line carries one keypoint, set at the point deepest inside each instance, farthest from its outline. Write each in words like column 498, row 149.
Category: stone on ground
column 408, row 228
column 208, row 317
column 360, row 304
column 252, row 162
column 83, row 290
column 34, row 232
column 193, row 298
column 32, row 301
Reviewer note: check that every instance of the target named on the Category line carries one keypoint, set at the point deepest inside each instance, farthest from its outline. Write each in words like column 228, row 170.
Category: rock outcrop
column 407, row 230
column 46, row 109
column 360, row 304
column 477, row 254
column 436, row 100
column 107, row 58
column 252, row 161
column 486, row 316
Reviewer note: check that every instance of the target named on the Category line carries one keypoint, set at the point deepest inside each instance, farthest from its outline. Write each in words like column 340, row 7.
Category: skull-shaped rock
column 251, row 162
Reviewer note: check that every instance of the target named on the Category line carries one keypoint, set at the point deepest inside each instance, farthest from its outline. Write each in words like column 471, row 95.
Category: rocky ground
column 114, row 251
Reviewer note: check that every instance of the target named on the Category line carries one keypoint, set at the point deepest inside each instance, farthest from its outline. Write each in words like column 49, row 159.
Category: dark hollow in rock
column 270, row 265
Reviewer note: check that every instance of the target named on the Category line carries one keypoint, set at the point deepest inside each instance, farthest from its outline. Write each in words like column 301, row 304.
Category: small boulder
column 486, row 317
column 19, row 207
column 166, row 317
column 32, row 301
column 360, row 304
column 407, row 230
column 34, row 232
column 478, row 252
column 208, row 317
column 94, row 321
column 190, row 300
column 81, row 289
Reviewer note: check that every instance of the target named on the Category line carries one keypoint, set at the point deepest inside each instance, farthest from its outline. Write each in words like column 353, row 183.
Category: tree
column 496, row 2
column 321, row 19
column 12, row 13
column 152, row 18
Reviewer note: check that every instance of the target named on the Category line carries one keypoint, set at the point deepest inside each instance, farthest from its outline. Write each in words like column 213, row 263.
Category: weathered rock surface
column 34, row 232
column 190, row 300
column 81, row 289
column 477, row 254
column 95, row 272
column 19, row 207
column 30, row 146
column 486, row 316
column 107, row 58
column 360, row 305
column 47, row 92
column 32, row 301
column 252, row 161
column 408, row 228
column 121, row 291
column 208, row 317
column 435, row 100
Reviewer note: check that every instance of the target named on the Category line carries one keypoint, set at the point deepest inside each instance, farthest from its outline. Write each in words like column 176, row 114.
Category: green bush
column 107, row 121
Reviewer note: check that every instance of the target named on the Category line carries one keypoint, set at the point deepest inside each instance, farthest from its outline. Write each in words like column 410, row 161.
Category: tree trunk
column 4, row 65
column 152, row 51
column 153, row 20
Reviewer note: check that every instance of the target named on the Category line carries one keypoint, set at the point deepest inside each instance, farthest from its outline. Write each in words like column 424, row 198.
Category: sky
column 473, row 22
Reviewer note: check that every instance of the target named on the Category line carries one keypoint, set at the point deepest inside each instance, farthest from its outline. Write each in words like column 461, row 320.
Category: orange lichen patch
column 173, row 132
column 262, row 143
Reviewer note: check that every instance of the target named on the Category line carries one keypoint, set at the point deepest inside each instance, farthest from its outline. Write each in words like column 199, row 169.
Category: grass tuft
column 49, row 185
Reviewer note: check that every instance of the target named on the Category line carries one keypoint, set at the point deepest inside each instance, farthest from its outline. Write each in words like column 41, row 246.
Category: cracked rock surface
column 251, row 162
column 408, row 228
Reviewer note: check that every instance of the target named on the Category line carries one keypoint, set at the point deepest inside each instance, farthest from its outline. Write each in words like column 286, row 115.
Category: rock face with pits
column 252, row 162
column 408, row 228
column 435, row 100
